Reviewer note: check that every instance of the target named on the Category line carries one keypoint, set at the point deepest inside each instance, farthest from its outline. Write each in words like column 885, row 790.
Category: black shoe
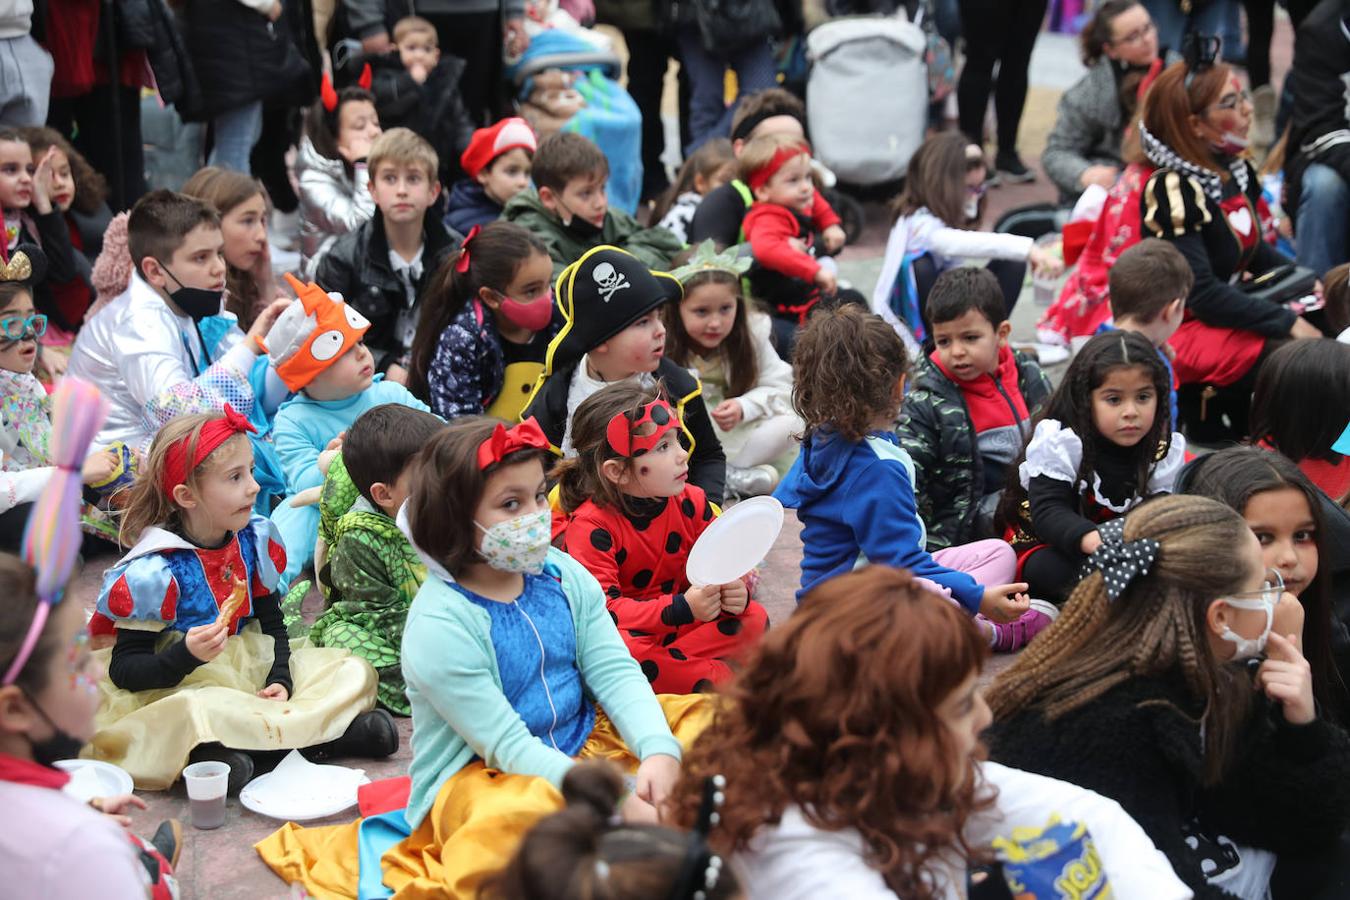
column 240, row 763
column 168, row 840
column 372, row 735
column 1011, row 170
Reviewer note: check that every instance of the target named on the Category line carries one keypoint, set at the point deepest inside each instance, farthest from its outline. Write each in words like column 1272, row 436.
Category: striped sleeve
column 1173, row 205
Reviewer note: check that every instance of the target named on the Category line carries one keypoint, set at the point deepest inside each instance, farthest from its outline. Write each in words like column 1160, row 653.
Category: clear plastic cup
column 206, row 786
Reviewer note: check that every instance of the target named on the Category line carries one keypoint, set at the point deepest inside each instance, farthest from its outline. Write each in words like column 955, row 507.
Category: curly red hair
column 836, row 714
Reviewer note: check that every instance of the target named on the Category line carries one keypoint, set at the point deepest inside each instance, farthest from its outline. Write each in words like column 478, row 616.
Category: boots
column 372, row 735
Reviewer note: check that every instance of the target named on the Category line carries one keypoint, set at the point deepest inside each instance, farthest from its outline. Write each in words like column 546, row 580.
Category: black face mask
column 196, row 303
column 580, row 227
column 61, row 745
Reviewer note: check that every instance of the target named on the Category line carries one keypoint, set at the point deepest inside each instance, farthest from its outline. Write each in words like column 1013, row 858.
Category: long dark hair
column 580, row 477
column 1071, row 406
column 737, row 349
column 495, row 256
column 1301, row 400
column 711, row 156
column 321, row 126
column 937, row 180
column 1233, row 477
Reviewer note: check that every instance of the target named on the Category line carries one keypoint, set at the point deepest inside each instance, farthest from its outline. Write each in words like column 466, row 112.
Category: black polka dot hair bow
column 1120, row 561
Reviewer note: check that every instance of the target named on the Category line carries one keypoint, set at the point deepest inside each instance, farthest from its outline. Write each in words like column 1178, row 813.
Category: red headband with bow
column 462, row 264
column 504, row 441
column 329, row 94
column 619, row 431
column 761, row 176
column 177, row 466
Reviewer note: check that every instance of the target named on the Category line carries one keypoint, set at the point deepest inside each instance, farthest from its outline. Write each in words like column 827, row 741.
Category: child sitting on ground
column 707, row 168
column 1149, row 285
column 634, row 517
column 331, row 168
column 385, row 265
column 717, row 333
column 853, row 485
column 48, row 701
column 1103, row 445
column 26, row 462
column 486, row 325
column 639, row 861
column 164, row 346
column 1300, row 407
column 183, row 601
column 416, row 88
column 570, row 210
column 317, row 349
column 613, row 331
column 515, row 671
column 790, row 273
column 371, row 573
column 968, row 413
column 497, row 166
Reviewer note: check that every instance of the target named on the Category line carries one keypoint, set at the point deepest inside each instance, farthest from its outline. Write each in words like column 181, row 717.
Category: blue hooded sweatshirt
column 856, row 505
column 469, row 205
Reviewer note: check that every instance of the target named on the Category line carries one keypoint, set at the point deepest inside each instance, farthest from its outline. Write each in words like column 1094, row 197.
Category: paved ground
column 221, row 865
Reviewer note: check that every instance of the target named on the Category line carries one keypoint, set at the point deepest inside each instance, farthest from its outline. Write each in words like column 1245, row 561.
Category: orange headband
column 761, row 176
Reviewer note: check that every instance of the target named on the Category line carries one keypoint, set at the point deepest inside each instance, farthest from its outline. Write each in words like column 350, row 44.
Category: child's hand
column 705, row 602
column 735, row 598
column 336, row 443
column 1286, row 678
column 275, row 12
column 42, row 183
column 1302, row 328
column 1005, row 602
column 1090, row 542
column 355, row 148
column 636, row 811
column 206, row 641
column 257, row 332
column 1288, row 619
column 419, row 73
column 397, row 374
column 275, row 692
column 833, row 238
column 115, row 807
column 827, row 281
column 656, row 777
column 99, row 466
column 1045, row 263
column 728, row 414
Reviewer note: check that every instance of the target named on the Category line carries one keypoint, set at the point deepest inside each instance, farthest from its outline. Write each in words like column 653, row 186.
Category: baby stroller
column 565, row 82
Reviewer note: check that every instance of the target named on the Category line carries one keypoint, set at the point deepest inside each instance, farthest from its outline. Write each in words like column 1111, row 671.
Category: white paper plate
column 735, row 542
column 91, row 778
column 297, row 808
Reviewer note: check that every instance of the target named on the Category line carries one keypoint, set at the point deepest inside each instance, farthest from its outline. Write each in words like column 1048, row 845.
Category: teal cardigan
column 459, row 711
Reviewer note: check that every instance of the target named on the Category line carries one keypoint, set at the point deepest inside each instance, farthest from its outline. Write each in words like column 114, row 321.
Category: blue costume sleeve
column 141, row 594
column 269, row 554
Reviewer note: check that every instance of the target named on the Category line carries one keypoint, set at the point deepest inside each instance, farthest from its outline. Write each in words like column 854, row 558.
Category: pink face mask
column 533, row 315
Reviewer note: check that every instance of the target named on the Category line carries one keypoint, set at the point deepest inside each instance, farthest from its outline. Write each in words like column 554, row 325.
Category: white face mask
column 518, row 545
column 1247, row 648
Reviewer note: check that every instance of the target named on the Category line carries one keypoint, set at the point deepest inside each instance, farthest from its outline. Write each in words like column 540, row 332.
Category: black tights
column 1051, row 574
column 1260, row 29
column 1002, row 32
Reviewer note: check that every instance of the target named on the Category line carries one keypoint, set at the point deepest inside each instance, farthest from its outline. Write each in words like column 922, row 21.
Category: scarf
column 1211, row 182
column 25, row 411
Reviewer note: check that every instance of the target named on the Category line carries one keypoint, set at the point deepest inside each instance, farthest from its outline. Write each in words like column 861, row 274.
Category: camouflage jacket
column 936, row 431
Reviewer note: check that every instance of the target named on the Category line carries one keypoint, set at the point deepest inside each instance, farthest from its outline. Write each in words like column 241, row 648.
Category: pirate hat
column 601, row 294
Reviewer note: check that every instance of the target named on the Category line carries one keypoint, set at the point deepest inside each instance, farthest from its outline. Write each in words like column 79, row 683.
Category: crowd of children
column 495, row 415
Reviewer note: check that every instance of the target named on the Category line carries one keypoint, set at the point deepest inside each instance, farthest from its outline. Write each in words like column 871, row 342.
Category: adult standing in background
column 1000, row 32
column 25, row 68
column 1120, row 48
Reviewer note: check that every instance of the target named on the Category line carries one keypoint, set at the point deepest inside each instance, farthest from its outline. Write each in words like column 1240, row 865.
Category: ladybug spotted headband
column 621, row 428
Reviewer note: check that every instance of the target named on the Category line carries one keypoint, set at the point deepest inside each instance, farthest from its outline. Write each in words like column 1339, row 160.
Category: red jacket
column 769, row 227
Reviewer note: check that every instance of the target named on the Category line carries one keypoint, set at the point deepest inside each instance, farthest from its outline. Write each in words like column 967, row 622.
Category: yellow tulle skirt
column 472, row 831
column 151, row 733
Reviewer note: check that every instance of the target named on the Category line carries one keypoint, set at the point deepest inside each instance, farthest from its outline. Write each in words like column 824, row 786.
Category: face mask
column 972, row 207
column 1231, row 144
column 1249, row 647
column 534, row 315
column 518, row 545
column 61, row 745
column 579, row 226
column 196, row 303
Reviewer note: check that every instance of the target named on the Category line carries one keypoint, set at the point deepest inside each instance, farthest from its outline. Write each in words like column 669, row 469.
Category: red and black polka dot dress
column 639, row 562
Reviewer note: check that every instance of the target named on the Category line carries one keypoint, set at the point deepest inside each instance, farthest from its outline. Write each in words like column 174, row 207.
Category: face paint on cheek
column 643, row 470
column 76, row 660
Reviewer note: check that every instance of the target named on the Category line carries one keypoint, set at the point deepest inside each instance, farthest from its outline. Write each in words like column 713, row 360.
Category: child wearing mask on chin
column 317, row 349
column 613, row 331
column 165, row 347
column 515, row 671
column 183, row 603
column 485, row 326
column 49, row 696
column 497, row 162
column 633, row 518
column 570, row 210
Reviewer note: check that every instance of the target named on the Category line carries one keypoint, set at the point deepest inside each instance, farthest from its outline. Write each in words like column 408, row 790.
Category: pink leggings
column 990, row 562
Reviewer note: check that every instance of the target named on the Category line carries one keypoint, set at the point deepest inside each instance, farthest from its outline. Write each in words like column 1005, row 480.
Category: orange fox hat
column 316, row 329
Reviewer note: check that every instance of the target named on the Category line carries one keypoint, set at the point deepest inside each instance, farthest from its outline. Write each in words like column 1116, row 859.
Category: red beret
column 489, row 143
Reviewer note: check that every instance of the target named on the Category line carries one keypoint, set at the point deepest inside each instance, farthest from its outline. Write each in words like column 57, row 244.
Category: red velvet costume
column 639, row 561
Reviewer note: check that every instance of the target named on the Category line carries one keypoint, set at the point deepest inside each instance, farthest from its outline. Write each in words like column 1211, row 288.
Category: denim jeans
column 1322, row 226
column 709, row 115
column 1172, row 25
column 236, row 131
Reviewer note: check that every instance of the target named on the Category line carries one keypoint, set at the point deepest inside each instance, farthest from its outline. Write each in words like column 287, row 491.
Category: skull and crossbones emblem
column 609, row 280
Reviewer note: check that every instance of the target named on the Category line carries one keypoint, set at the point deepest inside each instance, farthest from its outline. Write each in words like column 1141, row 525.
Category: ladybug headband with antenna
column 329, row 95
column 621, row 431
